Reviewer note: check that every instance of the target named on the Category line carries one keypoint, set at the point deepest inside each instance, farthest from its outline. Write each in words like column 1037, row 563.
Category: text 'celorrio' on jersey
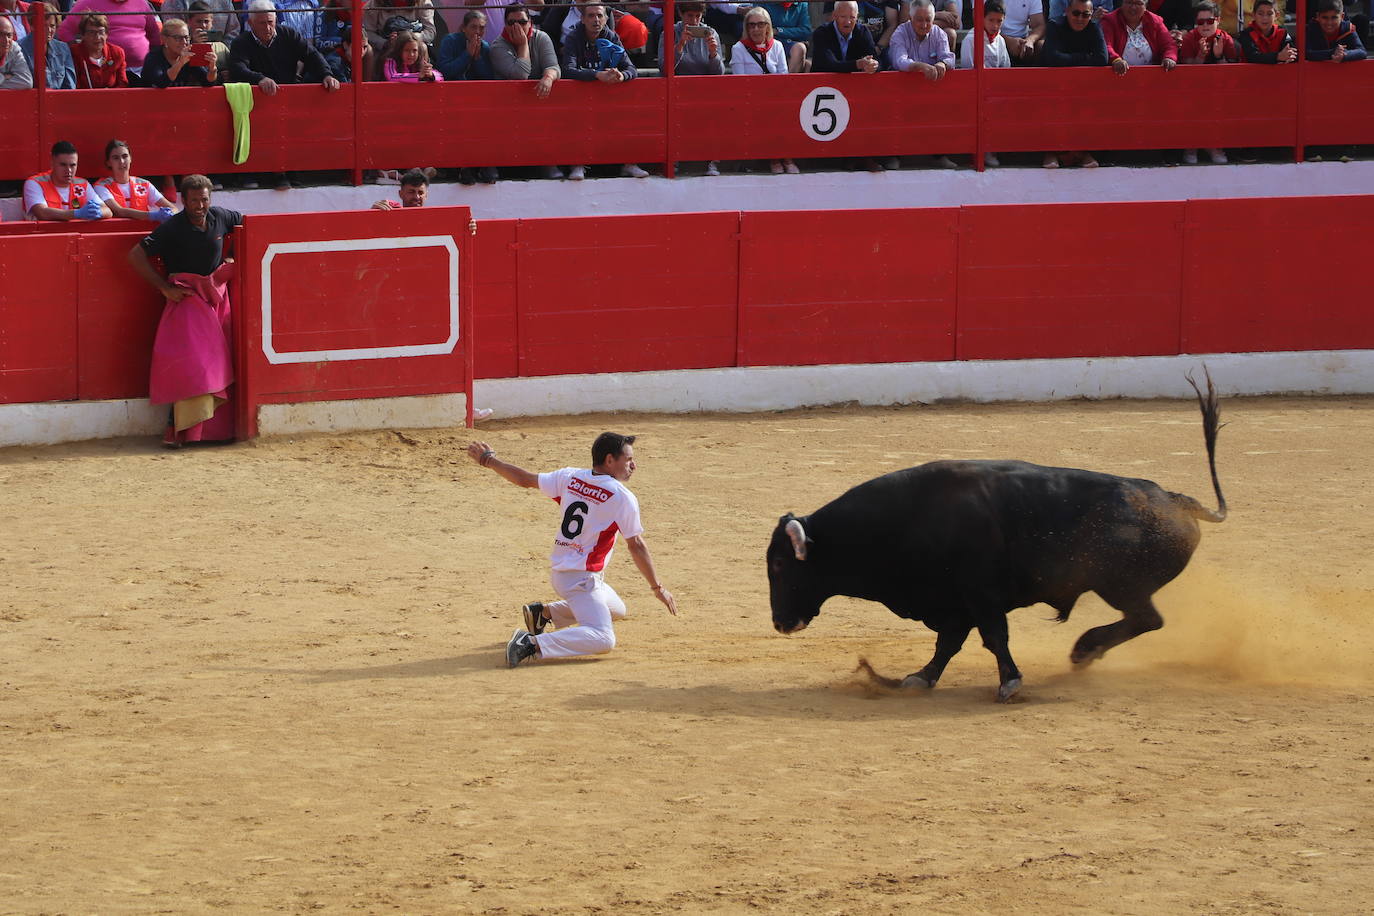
column 595, row 507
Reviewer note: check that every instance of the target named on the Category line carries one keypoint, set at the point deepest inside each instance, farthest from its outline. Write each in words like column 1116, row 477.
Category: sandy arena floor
column 296, row 701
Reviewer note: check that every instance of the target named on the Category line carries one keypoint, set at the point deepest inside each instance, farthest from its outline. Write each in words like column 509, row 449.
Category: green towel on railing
column 240, row 99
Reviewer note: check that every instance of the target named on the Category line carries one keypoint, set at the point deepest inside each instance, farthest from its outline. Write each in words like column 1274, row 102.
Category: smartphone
column 697, row 31
column 201, row 55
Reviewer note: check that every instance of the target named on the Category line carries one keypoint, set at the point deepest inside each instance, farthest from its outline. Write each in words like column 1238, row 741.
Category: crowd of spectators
column 96, row 44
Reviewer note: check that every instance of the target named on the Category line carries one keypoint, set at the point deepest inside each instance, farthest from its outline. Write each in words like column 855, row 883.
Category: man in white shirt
column 596, row 506
column 1024, row 30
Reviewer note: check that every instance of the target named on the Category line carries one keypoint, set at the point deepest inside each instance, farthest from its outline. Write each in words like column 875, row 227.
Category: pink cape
column 192, row 357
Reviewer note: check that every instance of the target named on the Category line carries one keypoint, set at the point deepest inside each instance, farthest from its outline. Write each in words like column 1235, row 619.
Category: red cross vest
column 78, row 192
column 138, row 193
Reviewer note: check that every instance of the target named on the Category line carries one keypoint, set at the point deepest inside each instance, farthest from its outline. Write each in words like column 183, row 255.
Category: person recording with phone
column 176, row 63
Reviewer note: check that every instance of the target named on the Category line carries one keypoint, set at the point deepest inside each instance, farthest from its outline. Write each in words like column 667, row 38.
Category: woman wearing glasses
column 759, row 52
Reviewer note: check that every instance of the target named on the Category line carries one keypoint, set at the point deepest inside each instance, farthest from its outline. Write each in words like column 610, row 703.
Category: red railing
column 389, row 125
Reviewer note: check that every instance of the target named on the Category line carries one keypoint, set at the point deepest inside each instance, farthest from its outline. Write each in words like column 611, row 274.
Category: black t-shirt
column 186, row 249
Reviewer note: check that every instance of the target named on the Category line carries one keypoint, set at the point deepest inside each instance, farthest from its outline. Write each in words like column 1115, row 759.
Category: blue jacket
column 1318, row 48
column 61, row 69
column 455, row 63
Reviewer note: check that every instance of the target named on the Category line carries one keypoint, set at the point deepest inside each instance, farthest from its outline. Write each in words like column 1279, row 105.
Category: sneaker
column 577, row 173
column 1217, row 156
column 713, row 169
column 790, row 167
column 553, row 172
column 249, row 184
column 775, row 166
column 487, row 174
column 631, row 170
column 1190, row 157
column 535, row 618
column 483, row 413
column 1088, row 161
column 282, row 183
column 943, row 162
column 873, row 165
column 520, row 647
column 990, row 161
column 1051, row 161
column 466, row 177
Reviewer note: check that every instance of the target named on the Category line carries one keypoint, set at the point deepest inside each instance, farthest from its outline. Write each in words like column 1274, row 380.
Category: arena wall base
column 1315, row 372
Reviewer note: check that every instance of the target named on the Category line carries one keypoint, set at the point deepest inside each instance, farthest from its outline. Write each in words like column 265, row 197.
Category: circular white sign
column 824, row 113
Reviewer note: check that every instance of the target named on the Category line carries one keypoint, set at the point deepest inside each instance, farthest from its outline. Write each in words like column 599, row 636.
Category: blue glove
column 610, row 52
column 162, row 214
column 91, row 209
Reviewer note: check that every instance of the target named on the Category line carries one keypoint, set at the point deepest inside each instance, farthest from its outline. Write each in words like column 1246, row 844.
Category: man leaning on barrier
column 593, row 54
column 1074, row 41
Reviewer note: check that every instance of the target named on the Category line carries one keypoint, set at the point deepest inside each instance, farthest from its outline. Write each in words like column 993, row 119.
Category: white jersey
column 595, row 508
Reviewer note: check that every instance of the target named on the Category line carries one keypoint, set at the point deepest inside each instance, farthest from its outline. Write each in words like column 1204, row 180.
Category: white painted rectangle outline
column 372, row 244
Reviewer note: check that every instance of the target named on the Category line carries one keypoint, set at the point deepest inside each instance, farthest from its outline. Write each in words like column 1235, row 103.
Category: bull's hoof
column 917, row 680
column 1082, row 658
column 1008, row 689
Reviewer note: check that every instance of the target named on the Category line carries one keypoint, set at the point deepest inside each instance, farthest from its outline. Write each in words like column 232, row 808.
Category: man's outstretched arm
column 485, row 455
column 639, row 552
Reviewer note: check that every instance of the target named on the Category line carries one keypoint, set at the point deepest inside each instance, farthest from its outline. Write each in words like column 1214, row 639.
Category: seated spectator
column 133, row 26
column 126, row 196
column 696, row 52
column 269, row 57
column 224, row 18
column 1059, row 7
column 792, row 27
column 301, row 15
column 58, row 194
column 1331, row 37
column 995, row 54
column 1207, row 44
column 1074, row 41
column 881, row 18
column 1137, row 37
column 201, row 20
column 524, row 52
column 593, row 53
column 407, row 61
column 61, row 72
column 192, row 368
column 919, row 47
column 759, row 52
column 378, row 24
column 1023, row 29
column 838, row 47
column 14, row 66
column 1265, row 42
column 465, row 54
column 335, row 41
column 98, row 63
column 175, row 64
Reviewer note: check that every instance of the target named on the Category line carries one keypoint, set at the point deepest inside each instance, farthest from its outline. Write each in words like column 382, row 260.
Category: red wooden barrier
column 1338, row 103
column 38, row 337
column 117, row 313
column 19, row 157
column 496, row 322
column 847, row 286
column 351, row 305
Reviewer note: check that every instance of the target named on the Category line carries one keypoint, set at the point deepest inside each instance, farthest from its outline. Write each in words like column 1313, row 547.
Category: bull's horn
column 798, row 535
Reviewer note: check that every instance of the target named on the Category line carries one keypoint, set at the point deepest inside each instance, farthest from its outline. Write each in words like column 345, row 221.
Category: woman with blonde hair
column 758, row 52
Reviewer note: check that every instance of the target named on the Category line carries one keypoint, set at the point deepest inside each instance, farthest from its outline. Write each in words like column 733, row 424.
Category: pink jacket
column 135, row 34
column 1156, row 33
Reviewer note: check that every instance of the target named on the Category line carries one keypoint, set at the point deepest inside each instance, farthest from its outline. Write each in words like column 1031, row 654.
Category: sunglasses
column 1205, row 21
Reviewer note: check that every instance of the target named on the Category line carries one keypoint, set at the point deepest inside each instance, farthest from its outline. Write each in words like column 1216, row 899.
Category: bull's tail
column 1211, row 414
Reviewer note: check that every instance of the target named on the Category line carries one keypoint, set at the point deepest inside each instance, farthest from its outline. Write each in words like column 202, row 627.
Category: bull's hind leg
column 993, row 628
column 1137, row 616
column 948, row 642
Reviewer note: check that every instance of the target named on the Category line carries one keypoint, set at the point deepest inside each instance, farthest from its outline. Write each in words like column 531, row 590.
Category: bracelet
column 486, row 457
column 656, row 588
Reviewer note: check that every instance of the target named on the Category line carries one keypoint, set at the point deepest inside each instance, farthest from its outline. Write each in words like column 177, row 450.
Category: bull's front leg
column 948, row 641
column 993, row 628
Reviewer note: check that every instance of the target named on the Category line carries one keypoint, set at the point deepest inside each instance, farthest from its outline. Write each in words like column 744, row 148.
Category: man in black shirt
column 1074, row 41
column 190, row 242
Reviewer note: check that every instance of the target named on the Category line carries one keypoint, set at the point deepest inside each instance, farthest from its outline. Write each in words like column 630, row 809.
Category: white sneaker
column 630, row 170
column 577, row 173
column 553, row 171
column 713, row 169
column 1190, row 157
column 1218, row 156
column 480, row 413
column 944, row 162
column 990, row 161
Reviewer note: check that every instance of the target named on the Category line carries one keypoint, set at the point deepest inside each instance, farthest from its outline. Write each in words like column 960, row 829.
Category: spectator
column 60, row 71
column 16, row 11
column 175, row 64
column 407, row 61
column 593, row 53
column 58, row 194
column 465, row 54
column 126, row 196
column 14, row 66
column 759, row 52
column 919, row 47
column 1059, row 7
column 696, row 52
column 383, row 17
column 201, row 19
column 414, row 189
column 792, row 27
column 1137, row 37
column 880, row 18
column 98, row 63
column 838, row 47
column 335, row 42
column 1265, row 42
column 270, row 57
column 301, row 15
column 1332, row 37
column 192, row 368
column 524, row 52
column 1074, row 41
column 133, row 27
column 224, row 18
column 1207, row 44
column 1024, row 31
column 995, row 54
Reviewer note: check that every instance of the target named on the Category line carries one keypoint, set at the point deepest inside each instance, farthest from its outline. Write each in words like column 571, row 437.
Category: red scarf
column 757, row 49
column 1270, row 45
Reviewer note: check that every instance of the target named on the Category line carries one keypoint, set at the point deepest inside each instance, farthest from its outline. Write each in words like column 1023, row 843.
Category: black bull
column 960, row 544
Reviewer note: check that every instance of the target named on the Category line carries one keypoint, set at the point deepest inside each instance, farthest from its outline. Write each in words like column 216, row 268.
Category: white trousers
column 583, row 616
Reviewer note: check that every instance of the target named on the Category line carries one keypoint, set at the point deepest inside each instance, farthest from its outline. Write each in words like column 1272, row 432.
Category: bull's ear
column 797, row 533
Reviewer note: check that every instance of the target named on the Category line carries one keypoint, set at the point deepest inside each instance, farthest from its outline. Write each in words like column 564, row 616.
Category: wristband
column 656, row 588
column 486, row 457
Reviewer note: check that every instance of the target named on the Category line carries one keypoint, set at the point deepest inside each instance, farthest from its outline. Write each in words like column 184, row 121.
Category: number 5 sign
column 824, row 113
